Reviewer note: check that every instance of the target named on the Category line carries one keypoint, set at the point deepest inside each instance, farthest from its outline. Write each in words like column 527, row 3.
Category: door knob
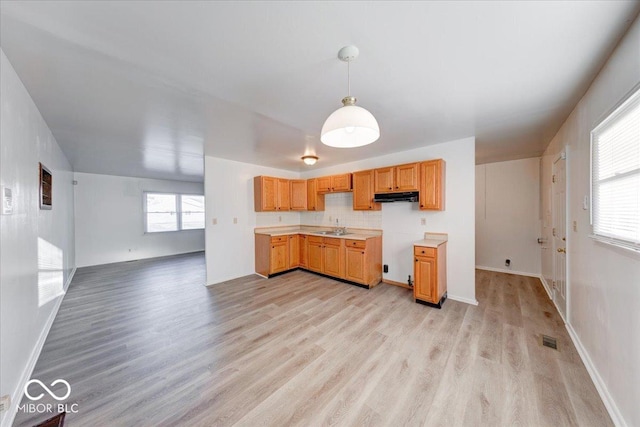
column 562, row 250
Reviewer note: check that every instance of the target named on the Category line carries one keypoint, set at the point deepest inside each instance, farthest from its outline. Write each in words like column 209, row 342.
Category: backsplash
column 340, row 206
column 269, row 219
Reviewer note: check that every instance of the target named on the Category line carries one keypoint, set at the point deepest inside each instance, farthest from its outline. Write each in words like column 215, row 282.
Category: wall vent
column 5, row 402
column 550, row 342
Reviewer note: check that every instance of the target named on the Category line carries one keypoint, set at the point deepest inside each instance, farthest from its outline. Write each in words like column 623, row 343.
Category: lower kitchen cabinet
column 363, row 261
column 430, row 275
column 357, row 261
column 304, row 250
column 333, row 253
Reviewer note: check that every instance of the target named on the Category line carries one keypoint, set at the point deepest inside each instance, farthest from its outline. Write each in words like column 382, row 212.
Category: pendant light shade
column 349, row 126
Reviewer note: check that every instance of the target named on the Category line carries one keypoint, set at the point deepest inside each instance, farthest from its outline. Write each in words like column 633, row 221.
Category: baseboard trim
column 16, row 396
column 504, row 270
column 398, row 284
column 546, row 287
column 603, row 391
column 462, row 299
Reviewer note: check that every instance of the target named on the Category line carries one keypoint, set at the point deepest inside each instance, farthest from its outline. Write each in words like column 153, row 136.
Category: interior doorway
column 559, row 233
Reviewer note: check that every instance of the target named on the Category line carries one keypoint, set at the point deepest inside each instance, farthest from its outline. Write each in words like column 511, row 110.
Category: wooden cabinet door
column 425, row 275
column 432, row 185
column 406, row 177
column 383, row 180
column 341, row 182
column 334, row 257
column 304, row 251
column 324, row 184
column 279, row 257
column 265, row 193
column 298, row 194
column 363, row 192
column 284, row 201
column 315, row 201
column 315, row 251
column 294, row 251
column 355, row 265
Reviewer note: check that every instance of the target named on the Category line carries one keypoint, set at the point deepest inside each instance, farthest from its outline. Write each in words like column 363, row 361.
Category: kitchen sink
column 333, row 233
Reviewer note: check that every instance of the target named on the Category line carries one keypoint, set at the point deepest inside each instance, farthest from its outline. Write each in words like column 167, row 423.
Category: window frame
column 178, row 198
column 603, row 120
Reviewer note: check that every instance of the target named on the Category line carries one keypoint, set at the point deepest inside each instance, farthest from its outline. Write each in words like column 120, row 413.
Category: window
column 615, row 185
column 173, row 212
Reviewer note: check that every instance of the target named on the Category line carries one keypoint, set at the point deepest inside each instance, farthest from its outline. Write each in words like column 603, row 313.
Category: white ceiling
column 144, row 88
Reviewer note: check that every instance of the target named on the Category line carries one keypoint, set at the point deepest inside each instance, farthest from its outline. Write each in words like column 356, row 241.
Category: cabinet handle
column 362, row 253
column 422, row 251
column 370, row 207
column 397, row 187
column 416, row 259
column 422, row 206
column 390, row 188
column 273, row 247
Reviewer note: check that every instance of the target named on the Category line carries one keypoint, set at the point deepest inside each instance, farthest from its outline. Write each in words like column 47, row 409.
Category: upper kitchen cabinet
column 396, row 178
column 271, row 194
column 334, row 183
column 432, row 183
column 298, row 194
column 363, row 192
column 315, row 200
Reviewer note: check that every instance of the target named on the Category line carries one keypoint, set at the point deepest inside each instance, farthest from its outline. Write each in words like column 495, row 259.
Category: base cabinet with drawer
column 430, row 275
column 353, row 260
column 363, row 261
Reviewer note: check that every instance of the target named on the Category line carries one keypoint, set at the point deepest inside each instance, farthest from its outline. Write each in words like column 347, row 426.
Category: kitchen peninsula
column 354, row 256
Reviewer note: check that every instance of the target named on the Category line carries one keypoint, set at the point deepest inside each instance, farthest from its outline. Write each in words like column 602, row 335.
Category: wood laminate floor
column 144, row 343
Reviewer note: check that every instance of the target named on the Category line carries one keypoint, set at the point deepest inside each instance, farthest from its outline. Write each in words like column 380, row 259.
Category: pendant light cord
column 349, row 78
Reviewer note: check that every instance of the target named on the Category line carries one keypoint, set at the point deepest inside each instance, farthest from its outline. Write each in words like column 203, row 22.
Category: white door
column 559, row 233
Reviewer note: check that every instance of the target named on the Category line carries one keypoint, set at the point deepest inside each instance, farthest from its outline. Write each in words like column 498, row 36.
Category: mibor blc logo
column 48, row 407
column 51, row 393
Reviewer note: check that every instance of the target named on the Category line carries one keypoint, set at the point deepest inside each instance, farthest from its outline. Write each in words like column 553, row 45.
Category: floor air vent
column 550, row 342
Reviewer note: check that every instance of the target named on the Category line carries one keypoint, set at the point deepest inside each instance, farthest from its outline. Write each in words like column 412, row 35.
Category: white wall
column 36, row 246
column 603, row 280
column 508, row 216
column 340, row 206
column 229, row 194
column 110, row 223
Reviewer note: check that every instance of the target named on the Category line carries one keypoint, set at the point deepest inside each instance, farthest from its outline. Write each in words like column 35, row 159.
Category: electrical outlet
column 215, row 221
column 330, row 218
column 235, row 220
column 575, row 225
column 279, row 219
column 423, row 221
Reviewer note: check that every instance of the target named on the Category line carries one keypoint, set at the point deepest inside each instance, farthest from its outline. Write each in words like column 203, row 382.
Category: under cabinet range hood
column 411, row 196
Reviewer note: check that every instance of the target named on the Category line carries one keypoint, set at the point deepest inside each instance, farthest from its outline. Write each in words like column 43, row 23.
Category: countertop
column 352, row 233
column 432, row 240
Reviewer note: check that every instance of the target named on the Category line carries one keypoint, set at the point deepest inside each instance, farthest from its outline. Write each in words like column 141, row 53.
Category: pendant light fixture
column 349, row 126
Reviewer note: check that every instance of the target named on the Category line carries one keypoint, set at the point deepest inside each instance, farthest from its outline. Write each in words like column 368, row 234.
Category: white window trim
column 604, row 118
column 178, row 212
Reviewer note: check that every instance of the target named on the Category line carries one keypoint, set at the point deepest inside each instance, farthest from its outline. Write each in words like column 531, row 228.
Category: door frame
column 562, row 156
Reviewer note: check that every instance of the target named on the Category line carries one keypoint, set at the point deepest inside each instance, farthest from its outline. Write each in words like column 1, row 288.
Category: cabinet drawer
column 276, row 239
column 332, row 242
column 422, row 251
column 315, row 239
column 360, row 244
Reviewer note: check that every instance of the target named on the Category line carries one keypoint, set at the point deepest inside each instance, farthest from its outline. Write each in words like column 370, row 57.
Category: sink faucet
column 338, row 229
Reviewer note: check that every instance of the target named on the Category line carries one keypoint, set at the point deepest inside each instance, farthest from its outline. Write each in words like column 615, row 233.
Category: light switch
column 235, row 220
column 575, row 225
column 215, row 221
column 7, row 201
column 423, row 221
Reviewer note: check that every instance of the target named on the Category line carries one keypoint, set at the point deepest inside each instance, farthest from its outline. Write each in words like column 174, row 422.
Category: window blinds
column 615, row 187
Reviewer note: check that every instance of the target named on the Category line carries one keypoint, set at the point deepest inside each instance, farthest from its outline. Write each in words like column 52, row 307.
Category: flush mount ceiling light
column 349, row 126
column 310, row 160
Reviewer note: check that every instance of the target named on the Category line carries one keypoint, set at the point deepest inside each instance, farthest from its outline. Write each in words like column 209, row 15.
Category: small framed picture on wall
column 46, row 187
